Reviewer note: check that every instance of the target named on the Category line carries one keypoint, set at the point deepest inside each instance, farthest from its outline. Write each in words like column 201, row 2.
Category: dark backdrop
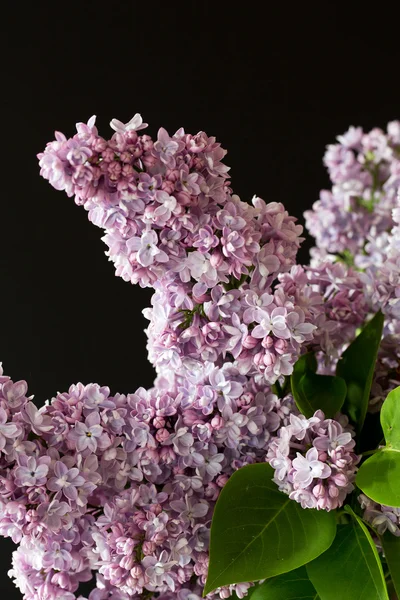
column 273, row 87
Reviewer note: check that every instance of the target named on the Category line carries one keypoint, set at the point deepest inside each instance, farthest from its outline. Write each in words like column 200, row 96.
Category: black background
column 274, row 87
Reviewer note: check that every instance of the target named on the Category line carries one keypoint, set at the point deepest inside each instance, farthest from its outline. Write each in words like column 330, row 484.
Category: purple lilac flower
column 362, row 169
column 322, row 476
column 31, row 471
column 382, row 518
column 85, row 435
column 65, row 480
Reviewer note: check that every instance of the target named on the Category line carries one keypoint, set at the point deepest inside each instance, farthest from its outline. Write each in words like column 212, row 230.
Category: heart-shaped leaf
column 258, row 532
column 312, row 392
column 289, row 586
column 391, row 548
column 356, row 366
column 351, row 568
column 379, row 475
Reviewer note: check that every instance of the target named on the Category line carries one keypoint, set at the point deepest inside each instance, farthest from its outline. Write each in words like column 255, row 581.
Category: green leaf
column 391, row 548
column 289, row 586
column 351, row 568
column 323, row 392
column 390, row 419
column 307, row 363
column 258, row 532
column 312, row 392
column 356, row 366
column 379, row 477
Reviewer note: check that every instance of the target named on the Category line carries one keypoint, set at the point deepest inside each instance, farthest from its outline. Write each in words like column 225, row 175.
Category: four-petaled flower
column 85, row 435
column 308, row 467
column 65, row 480
column 147, row 250
column 32, row 471
column 166, row 148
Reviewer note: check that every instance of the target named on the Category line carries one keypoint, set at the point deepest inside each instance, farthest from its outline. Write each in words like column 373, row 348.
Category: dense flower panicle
column 382, row 518
column 382, row 279
column 172, row 223
column 352, row 219
column 166, row 206
column 314, row 460
column 125, row 485
column 358, row 223
column 332, row 297
column 258, row 333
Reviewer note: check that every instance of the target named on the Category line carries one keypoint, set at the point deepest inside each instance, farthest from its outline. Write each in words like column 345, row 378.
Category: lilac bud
column 217, row 422
column 249, row 342
column 108, row 155
column 159, row 422
column 136, row 571
column 319, row 490
column 127, row 172
column 340, row 479
column 280, row 346
column 212, row 491
column 167, row 455
column 333, row 491
column 149, row 548
column 139, row 517
column 99, row 145
column 216, row 259
column 221, row 480
column 127, row 562
column 269, row 359
column 162, row 435
column 268, row 342
column 160, row 537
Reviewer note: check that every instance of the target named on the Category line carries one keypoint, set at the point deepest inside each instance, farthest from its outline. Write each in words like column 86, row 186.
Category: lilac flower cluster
column 382, row 279
column 259, row 333
column 166, row 206
column 332, row 296
column 125, row 485
column 352, row 219
column 172, row 223
column 382, row 518
column 358, row 223
column 314, row 460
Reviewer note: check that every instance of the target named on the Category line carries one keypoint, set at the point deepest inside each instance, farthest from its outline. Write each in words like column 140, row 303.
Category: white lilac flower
column 135, row 124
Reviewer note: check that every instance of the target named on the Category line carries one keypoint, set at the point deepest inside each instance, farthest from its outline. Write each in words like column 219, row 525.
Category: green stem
column 370, row 452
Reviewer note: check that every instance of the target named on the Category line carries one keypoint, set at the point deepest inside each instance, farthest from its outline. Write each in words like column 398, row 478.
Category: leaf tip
column 207, row 589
